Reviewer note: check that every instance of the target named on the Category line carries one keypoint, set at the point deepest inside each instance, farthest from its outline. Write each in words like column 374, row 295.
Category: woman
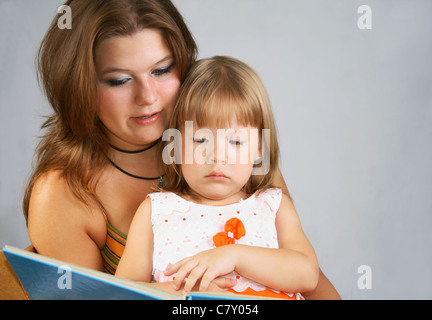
column 112, row 81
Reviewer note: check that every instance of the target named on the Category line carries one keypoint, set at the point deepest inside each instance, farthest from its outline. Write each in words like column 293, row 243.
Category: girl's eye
column 117, row 82
column 200, row 140
column 162, row 71
column 236, row 142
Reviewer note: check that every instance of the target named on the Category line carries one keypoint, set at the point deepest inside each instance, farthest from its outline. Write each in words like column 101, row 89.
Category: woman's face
column 138, row 83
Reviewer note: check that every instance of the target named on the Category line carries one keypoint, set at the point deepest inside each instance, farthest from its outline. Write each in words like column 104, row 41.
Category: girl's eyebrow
column 114, row 69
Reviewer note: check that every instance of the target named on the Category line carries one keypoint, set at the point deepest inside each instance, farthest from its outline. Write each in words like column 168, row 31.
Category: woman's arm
column 62, row 227
column 324, row 290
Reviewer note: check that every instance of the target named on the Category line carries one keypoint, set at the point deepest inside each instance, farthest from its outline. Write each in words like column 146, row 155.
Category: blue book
column 46, row 278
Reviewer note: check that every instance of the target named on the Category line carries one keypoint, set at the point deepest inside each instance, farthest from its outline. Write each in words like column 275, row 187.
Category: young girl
column 219, row 215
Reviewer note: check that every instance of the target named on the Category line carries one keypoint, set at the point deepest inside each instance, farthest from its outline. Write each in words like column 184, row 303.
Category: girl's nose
column 219, row 154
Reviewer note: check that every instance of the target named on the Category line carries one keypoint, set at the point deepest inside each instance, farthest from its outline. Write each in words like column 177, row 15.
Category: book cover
column 45, row 278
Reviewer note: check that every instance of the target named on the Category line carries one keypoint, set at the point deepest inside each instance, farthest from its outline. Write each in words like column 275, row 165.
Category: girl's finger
column 193, row 277
column 172, row 268
column 183, row 272
column 224, row 283
column 207, row 279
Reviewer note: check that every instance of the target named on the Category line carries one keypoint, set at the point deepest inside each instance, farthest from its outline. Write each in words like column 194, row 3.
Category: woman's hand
column 207, row 266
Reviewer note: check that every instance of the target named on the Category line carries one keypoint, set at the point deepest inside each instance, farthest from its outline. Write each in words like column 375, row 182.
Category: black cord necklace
column 137, row 151
column 160, row 178
column 132, row 175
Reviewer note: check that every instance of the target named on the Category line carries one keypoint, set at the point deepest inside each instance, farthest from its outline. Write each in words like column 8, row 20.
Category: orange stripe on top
column 114, row 244
column 113, row 249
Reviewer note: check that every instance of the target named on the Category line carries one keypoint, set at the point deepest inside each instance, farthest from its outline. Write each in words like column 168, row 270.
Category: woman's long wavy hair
column 74, row 140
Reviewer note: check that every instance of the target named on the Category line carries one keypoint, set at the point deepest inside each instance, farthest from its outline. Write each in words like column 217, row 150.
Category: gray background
column 354, row 115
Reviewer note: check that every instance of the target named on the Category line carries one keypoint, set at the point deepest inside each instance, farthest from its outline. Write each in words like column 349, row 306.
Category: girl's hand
column 206, row 265
column 220, row 284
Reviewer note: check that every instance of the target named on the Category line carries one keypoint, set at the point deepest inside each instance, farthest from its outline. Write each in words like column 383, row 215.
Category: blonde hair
column 216, row 91
column 75, row 141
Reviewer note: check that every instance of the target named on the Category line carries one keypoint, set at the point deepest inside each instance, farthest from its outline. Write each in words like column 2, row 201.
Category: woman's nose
column 146, row 93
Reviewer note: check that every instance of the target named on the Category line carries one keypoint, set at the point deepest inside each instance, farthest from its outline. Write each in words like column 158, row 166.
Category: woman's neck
column 139, row 162
column 135, row 150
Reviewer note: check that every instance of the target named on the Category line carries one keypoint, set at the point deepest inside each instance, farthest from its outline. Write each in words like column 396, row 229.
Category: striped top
column 113, row 249
column 114, row 244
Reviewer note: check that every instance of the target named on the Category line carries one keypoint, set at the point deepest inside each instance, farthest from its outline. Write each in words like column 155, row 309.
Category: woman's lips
column 145, row 120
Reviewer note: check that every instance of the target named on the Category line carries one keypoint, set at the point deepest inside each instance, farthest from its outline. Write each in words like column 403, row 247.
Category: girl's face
column 138, row 85
column 221, row 163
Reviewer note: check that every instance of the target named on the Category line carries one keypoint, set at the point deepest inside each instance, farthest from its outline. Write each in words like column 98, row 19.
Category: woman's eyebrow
column 113, row 70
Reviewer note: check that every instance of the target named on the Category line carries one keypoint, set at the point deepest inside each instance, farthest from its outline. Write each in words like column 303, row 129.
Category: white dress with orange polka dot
column 183, row 228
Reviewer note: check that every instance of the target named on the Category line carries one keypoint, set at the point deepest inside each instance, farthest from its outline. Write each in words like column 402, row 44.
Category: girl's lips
column 217, row 176
column 146, row 120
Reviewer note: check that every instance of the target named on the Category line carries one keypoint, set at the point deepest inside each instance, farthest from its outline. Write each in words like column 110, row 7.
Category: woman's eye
column 117, row 82
column 162, row 71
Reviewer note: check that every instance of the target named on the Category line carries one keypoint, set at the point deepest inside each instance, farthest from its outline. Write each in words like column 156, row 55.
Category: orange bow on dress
column 234, row 230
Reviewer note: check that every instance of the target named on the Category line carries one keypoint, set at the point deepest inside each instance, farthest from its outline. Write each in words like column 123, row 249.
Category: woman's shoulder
column 53, row 205
column 51, row 190
column 49, row 180
column 62, row 226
